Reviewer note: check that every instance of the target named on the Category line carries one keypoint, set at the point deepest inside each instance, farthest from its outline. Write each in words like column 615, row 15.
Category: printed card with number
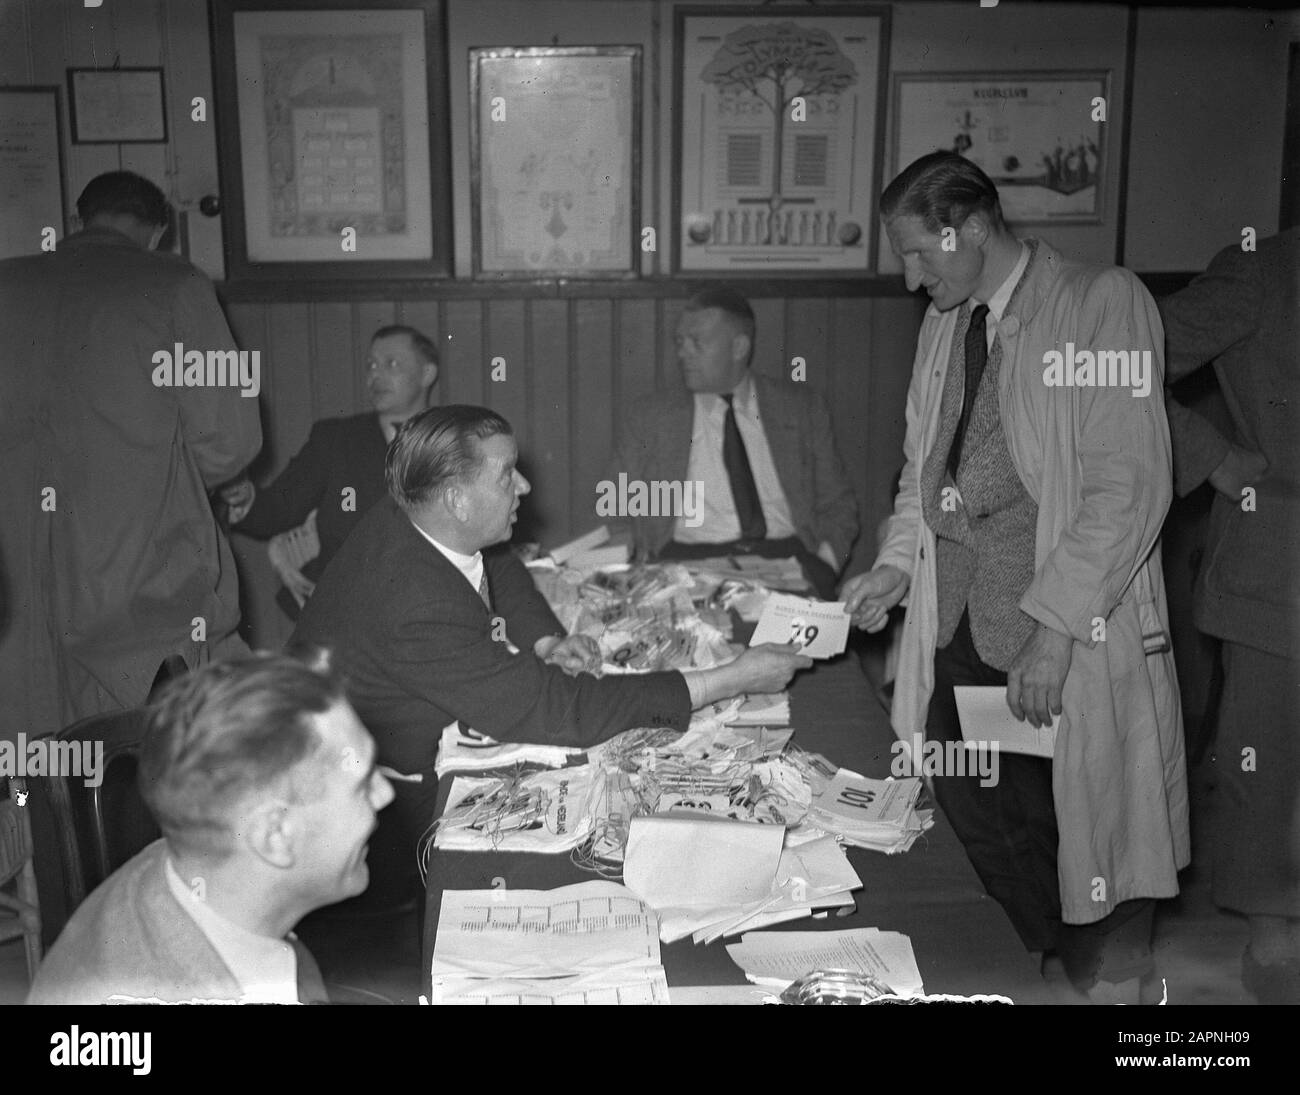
column 820, row 628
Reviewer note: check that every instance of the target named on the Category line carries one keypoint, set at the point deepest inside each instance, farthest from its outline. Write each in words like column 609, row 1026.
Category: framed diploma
column 333, row 139
column 117, row 105
column 1040, row 136
column 31, row 170
column 555, row 166
column 777, row 150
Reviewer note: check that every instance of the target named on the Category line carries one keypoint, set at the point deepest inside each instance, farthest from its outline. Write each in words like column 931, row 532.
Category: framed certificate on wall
column 333, row 139
column 31, row 170
column 555, row 165
column 777, row 150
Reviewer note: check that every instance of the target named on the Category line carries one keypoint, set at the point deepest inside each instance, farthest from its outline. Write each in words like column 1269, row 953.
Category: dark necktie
column 977, row 356
column 483, row 590
column 744, row 490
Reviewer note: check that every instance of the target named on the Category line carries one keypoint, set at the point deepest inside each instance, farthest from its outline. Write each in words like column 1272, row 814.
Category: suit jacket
column 105, row 585
column 131, row 939
column 1243, row 314
column 655, row 444
column 416, row 645
column 340, row 453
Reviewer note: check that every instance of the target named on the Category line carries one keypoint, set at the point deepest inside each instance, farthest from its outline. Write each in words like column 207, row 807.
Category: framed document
column 31, row 169
column 777, row 148
column 117, row 105
column 1038, row 135
column 555, row 165
column 332, row 124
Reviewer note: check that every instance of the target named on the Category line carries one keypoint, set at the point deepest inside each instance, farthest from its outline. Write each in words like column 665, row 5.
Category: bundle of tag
column 876, row 814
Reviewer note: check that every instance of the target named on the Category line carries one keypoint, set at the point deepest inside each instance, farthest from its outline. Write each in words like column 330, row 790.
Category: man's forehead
column 398, row 345
column 908, row 230
column 345, row 742
column 702, row 320
column 499, row 450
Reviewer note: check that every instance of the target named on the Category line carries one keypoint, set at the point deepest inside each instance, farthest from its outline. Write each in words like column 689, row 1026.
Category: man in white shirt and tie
column 762, row 452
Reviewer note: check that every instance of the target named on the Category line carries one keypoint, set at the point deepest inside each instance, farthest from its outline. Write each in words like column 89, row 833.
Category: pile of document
column 878, row 814
column 540, row 811
column 709, row 878
column 593, row 943
column 777, row 959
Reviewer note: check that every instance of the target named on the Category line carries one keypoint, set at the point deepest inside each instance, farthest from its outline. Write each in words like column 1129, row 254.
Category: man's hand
column 238, row 495
column 869, row 597
column 1037, row 676
column 574, row 654
column 768, row 667
column 1241, row 468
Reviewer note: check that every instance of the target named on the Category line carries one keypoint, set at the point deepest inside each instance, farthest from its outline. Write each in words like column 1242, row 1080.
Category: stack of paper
column 877, row 814
column 593, row 943
column 710, row 878
column 776, row 959
column 546, row 811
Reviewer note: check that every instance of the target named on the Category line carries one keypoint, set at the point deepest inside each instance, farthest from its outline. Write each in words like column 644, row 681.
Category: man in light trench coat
column 1025, row 544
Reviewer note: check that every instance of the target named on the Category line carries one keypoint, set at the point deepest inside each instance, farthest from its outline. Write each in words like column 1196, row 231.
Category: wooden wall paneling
column 808, row 335
column 504, row 337
column 551, row 384
column 636, row 332
column 464, row 353
column 287, row 361
column 769, row 336
column 593, row 421
column 332, row 363
column 892, row 348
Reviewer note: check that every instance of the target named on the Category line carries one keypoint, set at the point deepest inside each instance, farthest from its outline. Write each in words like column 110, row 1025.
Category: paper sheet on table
column 985, row 716
column 778, row 958
column 528, row 934
column 821, row 628
column 682, row 863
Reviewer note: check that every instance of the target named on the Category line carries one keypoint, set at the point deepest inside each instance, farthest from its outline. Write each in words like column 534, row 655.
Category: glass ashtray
column 835, row 987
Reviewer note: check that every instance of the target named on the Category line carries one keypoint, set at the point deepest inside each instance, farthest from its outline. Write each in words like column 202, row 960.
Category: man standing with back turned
column 1025, row 537
column 112, row 562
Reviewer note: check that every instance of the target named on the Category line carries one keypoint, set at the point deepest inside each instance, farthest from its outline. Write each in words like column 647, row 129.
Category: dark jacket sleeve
column 285, row 502
column 518, row 600
column 443, row 651
column 1215, row 312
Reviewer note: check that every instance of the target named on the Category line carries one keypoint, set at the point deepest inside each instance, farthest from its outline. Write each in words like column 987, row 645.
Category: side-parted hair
column 436, row 448
column 942, row 189
column 423, row 344
column 218, row 736
column 123, row 193
column 728, row 299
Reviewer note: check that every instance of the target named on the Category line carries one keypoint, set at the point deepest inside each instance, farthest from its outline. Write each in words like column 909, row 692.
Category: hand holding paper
column 819, row 628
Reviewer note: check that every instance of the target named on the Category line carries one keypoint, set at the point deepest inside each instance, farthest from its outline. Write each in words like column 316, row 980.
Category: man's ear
column 430, row 374
column 453, row 497
column 740, row 348
column 270, row 834
column 974, row 230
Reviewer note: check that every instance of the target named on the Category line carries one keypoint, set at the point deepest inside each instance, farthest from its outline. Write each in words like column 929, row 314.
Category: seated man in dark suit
column 264, row 784
column 763, row 451
column 425, row 602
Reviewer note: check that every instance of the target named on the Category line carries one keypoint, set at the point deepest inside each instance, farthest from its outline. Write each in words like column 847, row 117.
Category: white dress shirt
column 999, row 300
column 266, row 969
column 717, row 506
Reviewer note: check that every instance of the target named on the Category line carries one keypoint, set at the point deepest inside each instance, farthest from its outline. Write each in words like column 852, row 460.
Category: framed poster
column 333, row 139
column 778, row 146
column 555, row 163
column 1033, row 133
column 117, row 105
column 31, row 169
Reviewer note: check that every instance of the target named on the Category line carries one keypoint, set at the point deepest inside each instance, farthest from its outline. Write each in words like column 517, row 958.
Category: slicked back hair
column 942, row 189
column 423, row 344
column 438, row 447
column 218, row 736
column 123, row 193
